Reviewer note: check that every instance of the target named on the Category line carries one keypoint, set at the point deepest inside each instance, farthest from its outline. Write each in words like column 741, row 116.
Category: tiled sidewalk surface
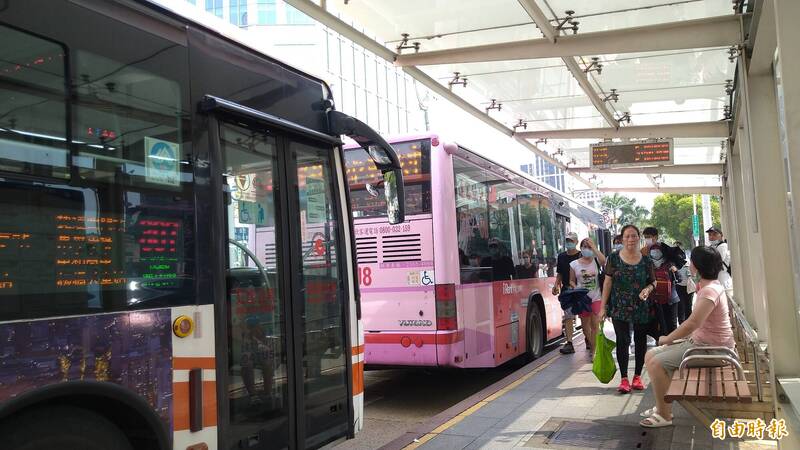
column 565, row 388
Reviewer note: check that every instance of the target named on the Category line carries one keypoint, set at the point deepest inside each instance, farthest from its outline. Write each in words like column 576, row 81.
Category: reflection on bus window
column 257, row 362
column 505, row 231
column 366, row 182
column 125, row 243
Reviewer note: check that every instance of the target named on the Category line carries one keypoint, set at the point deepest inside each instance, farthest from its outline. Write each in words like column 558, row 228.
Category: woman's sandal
column 648, row 412
column 655, row 421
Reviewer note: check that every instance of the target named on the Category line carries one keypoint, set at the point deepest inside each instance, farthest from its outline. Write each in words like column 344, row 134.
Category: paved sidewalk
column 561, row 405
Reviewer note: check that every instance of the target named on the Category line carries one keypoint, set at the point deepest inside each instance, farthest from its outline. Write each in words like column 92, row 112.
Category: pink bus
column 452, row 285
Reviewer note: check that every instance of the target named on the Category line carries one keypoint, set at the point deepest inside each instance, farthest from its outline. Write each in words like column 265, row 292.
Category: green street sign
column 695, row 225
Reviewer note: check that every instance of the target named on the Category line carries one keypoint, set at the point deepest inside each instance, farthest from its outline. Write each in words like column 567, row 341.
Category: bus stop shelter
column 717, row 77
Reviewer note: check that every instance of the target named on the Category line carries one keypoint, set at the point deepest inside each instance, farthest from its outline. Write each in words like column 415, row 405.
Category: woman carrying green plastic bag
column 603, row 365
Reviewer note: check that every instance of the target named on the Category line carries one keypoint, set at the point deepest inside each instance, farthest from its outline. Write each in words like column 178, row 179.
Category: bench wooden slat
column 703, row 388
column 729, row 384
column 739, row 387
column 716, row 384
column 692, row 377
column 676, row 388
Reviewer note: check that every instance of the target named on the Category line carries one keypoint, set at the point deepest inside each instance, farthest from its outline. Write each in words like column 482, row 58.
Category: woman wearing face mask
column 618, row 243
column 708, row 324
column 629, row 282
column 664, row 296
column 584, row 273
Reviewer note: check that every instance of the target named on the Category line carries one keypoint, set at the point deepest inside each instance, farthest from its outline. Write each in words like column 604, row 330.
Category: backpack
column 663, row 291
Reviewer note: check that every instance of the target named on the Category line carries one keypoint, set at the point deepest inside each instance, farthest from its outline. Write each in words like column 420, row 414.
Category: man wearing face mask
column 562, row 282
column 667, row 260
column 717, row 241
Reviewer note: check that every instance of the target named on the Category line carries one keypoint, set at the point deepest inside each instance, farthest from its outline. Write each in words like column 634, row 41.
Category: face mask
column 656, row 254
column 714, row 242
column 587, row 252
column 617, row 247
column 570, row 245
column 649, row 241
column 694, row 274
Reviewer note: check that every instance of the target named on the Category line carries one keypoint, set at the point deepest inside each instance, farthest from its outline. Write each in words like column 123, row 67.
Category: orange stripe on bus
column 358, row 378
column 180, row 404
column 358, row 350
column 196, row 362
column 425, row 339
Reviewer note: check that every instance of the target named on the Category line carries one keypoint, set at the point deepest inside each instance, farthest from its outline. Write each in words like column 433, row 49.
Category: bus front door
column 286, row 377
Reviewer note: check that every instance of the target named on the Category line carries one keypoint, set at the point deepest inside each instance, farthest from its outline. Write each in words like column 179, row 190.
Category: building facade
column 363, row 84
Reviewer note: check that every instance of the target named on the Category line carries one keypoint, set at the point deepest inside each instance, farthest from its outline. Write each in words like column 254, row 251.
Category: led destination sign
column 631, row 154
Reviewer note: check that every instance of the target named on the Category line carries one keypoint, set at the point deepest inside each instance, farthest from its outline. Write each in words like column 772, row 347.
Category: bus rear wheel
column 62, row 427
column 535, row 331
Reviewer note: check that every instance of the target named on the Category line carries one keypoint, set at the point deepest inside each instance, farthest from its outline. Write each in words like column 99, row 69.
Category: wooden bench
column 737, row 386
column 722, row 378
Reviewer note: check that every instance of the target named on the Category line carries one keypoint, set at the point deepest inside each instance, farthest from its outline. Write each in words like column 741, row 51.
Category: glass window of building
column 295, row 17
column 266, row 12
column 238, row 12
column 214, row 7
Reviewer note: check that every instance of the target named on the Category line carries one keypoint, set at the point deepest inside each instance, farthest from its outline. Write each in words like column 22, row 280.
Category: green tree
column 635, row 214
column 623, row 210
column 613, row 205
column 672, row 215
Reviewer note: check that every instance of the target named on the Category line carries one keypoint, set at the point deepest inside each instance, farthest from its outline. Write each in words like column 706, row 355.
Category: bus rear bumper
column 422, row 348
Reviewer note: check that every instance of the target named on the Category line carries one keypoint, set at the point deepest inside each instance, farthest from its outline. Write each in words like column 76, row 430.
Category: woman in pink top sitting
column 708, row 324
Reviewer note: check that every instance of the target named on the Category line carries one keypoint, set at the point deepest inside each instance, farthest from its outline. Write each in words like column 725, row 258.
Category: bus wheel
column 62, row 427
column 535, row 332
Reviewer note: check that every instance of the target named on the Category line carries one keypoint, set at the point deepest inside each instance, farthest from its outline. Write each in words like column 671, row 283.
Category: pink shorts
column 595, row 309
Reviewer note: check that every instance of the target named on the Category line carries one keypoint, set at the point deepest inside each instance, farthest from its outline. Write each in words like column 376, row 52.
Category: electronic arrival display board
column 631, row 154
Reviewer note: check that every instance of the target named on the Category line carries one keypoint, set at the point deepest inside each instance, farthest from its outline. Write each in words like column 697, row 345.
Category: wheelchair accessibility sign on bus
column 421, row 278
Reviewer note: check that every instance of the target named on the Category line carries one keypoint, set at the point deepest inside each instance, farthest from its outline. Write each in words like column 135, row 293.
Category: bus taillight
column 446, row 314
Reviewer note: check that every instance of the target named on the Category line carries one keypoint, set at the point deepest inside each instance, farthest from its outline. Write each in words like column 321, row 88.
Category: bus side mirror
column 382, row 154
column 393, row 190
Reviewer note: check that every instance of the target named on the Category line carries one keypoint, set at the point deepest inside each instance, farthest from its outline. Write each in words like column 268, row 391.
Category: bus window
column 365, row 181
column 325, row 354
column 503, row 236
column 472, row 219
column 127, row 121
column 33, row 124
column 82, row 246
column 256, row 323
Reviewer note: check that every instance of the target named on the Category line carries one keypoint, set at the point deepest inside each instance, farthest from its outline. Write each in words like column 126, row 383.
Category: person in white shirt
column 584, row 272
column 717, row 241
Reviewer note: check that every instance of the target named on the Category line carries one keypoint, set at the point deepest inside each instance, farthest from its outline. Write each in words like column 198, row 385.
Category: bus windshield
column 366, row 186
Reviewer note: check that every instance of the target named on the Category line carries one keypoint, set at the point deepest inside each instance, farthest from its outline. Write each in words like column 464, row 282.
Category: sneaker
column 637, row 383
column 624, row 386
column 567, row 348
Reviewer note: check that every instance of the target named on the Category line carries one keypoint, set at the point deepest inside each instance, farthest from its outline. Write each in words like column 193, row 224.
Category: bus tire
column 64, row 427
column 535, row 330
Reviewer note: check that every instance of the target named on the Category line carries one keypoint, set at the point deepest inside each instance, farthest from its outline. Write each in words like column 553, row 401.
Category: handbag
column 603, row 366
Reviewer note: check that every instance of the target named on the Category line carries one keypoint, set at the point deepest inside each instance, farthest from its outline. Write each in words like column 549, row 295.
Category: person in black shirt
column 502, row 265
column 526, row 269
column 562, row 282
